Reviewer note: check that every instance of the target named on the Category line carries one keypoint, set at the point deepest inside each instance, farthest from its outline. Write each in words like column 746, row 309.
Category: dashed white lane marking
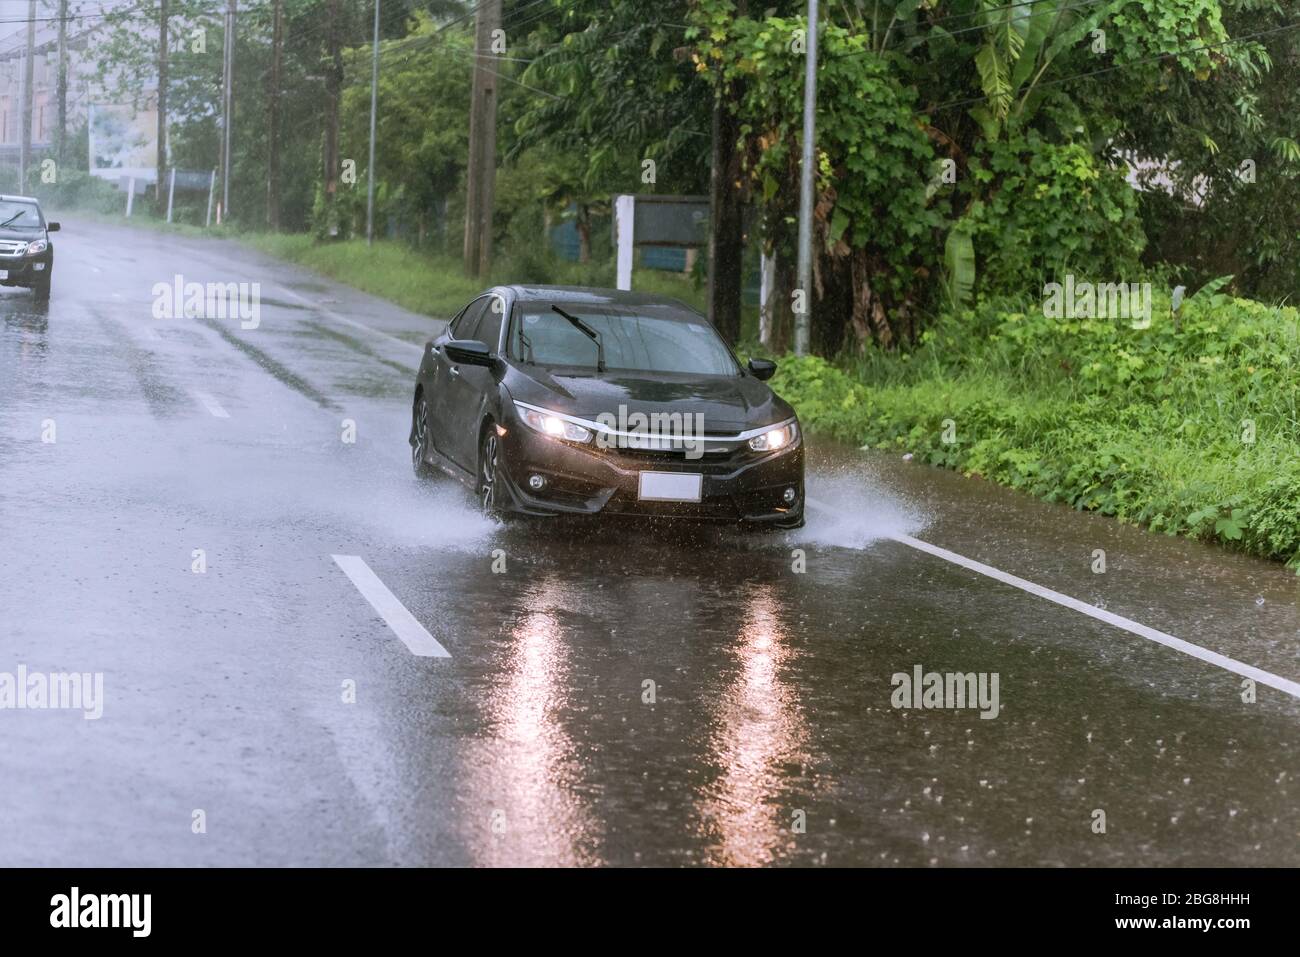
column 350, row 322
column 394, row 613
column 1092, row 611
column 212, row 405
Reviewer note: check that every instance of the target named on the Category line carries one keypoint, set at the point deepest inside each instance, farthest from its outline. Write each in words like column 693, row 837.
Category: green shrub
column 1190, row 426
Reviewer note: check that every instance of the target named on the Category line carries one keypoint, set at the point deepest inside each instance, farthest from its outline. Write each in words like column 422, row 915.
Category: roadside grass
column 436, row 285
column 1190, row 427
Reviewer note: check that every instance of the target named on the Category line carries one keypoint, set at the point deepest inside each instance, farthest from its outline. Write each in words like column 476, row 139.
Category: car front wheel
column 420, row 440
column 488, row 458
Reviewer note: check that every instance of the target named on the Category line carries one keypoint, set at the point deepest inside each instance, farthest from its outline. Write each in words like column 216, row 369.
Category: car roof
column 591, row 295
column 20, row 199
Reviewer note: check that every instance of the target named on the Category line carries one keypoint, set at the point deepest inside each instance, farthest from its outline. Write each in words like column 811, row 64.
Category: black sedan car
column 556, row 400
column 26, row 252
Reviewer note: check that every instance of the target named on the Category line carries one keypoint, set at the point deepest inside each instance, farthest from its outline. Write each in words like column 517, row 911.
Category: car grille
column 12, row 247
column 715, row 461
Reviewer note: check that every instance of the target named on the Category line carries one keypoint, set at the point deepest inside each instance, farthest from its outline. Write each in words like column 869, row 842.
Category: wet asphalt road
column 771, row 737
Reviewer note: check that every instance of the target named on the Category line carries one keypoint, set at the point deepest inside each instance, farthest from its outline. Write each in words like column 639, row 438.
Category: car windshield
column 25, row 215
column 641, row 338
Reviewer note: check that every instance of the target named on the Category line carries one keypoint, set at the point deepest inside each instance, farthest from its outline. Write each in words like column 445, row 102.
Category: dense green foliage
column 1191, row 426
column 1055, row 210
column 988, row 141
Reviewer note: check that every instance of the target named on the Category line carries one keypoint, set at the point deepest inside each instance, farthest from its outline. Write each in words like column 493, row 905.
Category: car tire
column 489, row 454
column 420, row 441
column 41, row 290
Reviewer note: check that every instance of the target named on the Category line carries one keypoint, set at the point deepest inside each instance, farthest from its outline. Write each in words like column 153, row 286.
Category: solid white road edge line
column 212, row 405
column 394, row 613
column 1092, row 611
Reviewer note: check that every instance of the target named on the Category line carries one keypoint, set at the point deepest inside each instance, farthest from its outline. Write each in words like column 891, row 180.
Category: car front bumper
column 24, row 270
column 739, row 486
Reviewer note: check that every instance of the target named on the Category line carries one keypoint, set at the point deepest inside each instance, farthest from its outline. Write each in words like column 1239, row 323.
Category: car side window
column 466, row 327
column 489, row 329
column 455, row 322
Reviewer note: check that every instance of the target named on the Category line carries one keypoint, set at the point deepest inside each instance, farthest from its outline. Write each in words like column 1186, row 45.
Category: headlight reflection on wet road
column 759, row 730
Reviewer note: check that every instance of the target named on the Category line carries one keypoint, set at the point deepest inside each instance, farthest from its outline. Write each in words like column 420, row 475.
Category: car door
column 445, row 424
column 473, row 385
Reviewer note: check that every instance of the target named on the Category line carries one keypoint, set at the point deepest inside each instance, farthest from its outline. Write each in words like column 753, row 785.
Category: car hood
column 26, row 235
column 728, row 403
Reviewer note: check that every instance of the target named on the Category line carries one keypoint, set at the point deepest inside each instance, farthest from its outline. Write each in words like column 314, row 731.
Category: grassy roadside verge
column 436, row 285
column 1190, row 427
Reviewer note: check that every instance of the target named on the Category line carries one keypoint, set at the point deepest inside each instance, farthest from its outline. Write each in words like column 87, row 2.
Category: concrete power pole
column 62, row 94
column 803, row 317
column 25, row 155
column 333, row 108
column 162, row 105
column 374, row 103
column 273, row 119
column 481, row 181
column 227, row 109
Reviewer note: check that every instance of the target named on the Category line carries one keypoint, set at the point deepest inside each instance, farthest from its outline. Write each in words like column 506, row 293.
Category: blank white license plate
column 4, row 273
column 669, row 487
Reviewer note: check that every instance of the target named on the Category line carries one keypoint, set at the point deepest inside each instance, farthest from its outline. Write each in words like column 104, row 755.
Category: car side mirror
column 762, row 369
column 468, row 352
column 52, row 227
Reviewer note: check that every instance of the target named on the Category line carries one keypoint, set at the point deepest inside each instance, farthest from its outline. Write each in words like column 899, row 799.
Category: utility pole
column 228, row 109
column 803, row 317
column 481, row 180
column 162, row 108
column 374, row 103
column 273, row 119
column 333, row 105
column 62, row 94
column 25, row 155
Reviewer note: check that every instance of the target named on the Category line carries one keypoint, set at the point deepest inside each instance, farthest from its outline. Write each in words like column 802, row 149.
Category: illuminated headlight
column 552, row 425
column 37, row 247
column 774, row 439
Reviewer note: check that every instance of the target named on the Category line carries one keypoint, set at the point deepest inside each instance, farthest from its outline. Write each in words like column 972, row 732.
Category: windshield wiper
column 13, row 217
column 589, row 332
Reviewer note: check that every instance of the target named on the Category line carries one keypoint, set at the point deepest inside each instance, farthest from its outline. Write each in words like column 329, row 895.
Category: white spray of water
column 854, row 510
column 403, row 514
